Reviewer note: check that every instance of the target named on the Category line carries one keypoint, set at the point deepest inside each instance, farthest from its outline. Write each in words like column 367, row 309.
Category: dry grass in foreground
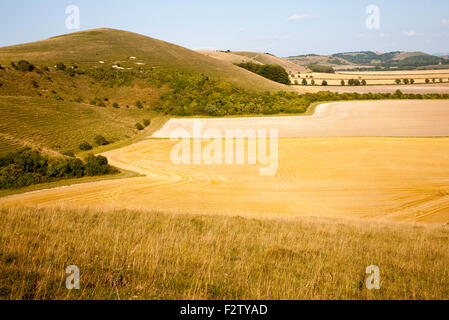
column 141, row 255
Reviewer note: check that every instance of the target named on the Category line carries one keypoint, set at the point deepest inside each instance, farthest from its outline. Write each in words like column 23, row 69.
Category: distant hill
column 367, row 59
column 266, row 58
column 255, row 57
column 313, row 59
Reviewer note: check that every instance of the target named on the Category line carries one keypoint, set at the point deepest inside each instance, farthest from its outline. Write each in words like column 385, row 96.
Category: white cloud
column 362, row 35
column 445, row 22
column 410, row 33
column 385, row 35
column 299, row 17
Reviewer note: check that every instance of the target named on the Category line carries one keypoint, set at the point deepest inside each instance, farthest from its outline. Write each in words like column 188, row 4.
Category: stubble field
column 388, row 175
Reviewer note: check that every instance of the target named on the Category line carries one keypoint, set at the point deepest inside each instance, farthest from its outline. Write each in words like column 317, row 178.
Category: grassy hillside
column 61, row 125
column 405, row 55
column 146, row 255
column 116, row 47
column 230, row 57
column 265, row 58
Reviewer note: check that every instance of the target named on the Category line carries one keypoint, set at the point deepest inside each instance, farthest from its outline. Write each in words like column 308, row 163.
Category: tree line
column 269, row 71
column 27, row 166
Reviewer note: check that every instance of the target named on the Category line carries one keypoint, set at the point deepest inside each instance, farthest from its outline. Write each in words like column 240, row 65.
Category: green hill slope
column 129, row 50
column 60, row 126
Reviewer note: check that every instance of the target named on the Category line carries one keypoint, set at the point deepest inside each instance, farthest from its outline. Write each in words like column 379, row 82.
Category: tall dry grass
column 147, row 255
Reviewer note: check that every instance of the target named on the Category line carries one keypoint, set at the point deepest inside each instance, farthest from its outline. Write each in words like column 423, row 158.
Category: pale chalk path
column 409, row 118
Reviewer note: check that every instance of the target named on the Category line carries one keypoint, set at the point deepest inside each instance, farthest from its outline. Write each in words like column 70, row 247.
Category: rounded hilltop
column 108, row 47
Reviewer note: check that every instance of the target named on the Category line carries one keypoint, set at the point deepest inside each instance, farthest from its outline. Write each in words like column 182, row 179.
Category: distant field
column 374, row 77
column 149, row 255
column 412, row 89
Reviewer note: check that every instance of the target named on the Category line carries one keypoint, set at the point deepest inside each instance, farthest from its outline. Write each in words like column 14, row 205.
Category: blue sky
column 281, row 27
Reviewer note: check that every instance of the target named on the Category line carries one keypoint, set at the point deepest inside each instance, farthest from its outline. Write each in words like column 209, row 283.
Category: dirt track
column 404, row 179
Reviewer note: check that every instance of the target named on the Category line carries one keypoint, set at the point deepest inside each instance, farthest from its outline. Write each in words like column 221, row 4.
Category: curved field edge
column 68, row 182
column 156, row 124
column 133, row 255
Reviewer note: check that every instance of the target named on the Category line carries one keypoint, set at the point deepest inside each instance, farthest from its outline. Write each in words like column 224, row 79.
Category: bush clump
column 97, row 101
column 85, row 146
column 101, row 141
column 139, row 126
column 146, row 122
column 27, row 166
column 61, row 66
column 97, row 166
column 23, row 66
column 269, row 71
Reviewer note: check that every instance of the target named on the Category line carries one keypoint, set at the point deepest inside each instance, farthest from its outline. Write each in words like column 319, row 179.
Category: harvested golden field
column 404, row 179
column 394, row 118
column 378, row 78
column 394, row 178
column 149, row 255
column 439, row 88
